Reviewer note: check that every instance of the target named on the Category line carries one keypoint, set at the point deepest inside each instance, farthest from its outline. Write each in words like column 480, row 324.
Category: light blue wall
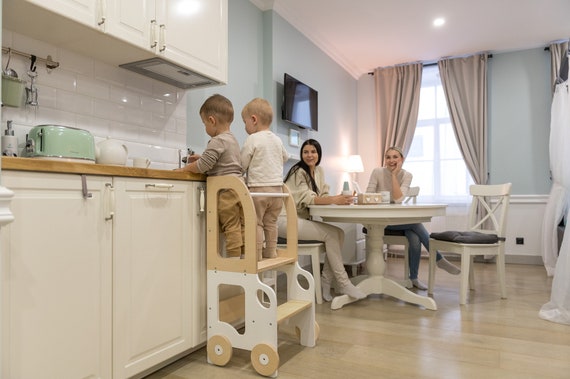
column 519, row 120
column 245, row 72
column 262, row 47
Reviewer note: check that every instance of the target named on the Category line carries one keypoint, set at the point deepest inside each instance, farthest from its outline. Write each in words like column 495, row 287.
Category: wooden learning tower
column 253, row 307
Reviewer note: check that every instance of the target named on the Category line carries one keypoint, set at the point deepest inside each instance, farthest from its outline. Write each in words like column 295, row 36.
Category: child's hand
column 193, row 158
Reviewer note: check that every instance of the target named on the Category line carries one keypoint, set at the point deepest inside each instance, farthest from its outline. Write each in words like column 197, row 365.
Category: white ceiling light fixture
column 438, row 22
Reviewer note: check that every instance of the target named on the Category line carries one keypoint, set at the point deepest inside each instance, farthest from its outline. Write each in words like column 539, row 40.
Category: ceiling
column 361, row 35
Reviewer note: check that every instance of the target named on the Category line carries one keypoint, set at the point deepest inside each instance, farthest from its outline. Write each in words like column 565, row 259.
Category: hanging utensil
column 32, row 91
column 9, row 71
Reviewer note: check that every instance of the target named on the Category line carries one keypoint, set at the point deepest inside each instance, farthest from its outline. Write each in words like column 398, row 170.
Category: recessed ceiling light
column 439, row 21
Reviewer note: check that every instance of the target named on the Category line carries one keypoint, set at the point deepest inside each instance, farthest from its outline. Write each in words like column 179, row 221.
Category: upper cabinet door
column 133, row 21
column 194, row 33
column 87, row 12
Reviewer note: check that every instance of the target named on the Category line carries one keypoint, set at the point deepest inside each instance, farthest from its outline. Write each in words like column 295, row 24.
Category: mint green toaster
column 57, row 141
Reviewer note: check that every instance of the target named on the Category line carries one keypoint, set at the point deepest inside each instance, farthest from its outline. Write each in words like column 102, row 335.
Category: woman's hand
column 342, row 199
column 396, row 168
column 337, row 200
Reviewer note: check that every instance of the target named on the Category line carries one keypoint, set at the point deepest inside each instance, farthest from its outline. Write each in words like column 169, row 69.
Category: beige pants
column 332, row 236
column 267, row 210
column 230, row 216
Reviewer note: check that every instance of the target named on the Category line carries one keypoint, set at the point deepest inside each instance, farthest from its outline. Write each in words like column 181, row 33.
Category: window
column 434, row 157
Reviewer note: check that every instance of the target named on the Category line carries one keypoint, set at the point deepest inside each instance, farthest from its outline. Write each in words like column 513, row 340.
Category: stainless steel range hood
column 168, row 72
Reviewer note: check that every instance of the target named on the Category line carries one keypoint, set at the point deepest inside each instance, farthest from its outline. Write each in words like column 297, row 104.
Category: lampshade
column 354, row 164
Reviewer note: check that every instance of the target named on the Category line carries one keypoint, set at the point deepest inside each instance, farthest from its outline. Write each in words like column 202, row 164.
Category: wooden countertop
column 61, row 166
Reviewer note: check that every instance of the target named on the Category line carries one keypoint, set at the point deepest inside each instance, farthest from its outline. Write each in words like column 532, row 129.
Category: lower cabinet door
column 152, row 281
column 56, row 278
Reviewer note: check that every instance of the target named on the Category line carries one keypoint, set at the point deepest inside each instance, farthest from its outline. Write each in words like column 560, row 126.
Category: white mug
column 385, row 196
column 141, row 162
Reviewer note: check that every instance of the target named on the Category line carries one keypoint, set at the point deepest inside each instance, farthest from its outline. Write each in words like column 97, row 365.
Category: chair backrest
column 488, row 212
column 412, row 195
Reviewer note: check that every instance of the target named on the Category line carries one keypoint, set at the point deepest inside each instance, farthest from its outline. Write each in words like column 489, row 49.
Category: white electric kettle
column 111, row 152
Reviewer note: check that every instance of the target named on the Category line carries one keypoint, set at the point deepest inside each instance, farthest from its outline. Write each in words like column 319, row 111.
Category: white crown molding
column 264, row 5
column 311, row 34
column 298, row 22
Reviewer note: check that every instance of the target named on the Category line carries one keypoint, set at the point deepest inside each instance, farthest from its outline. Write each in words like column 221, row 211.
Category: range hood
column 168, row 72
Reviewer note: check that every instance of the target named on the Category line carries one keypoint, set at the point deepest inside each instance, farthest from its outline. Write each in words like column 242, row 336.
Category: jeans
column 417, row 236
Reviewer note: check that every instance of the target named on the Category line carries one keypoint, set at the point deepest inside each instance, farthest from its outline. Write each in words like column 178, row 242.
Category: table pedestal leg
column 375, row 282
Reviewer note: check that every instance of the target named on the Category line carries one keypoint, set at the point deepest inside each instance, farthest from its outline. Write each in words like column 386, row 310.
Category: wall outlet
column 520, row 241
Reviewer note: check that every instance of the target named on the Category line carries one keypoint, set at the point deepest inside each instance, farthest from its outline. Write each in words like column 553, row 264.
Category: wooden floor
column 381, row 337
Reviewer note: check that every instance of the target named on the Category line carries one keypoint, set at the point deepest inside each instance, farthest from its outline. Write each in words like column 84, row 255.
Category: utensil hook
column 33, row 63
column 9, row 56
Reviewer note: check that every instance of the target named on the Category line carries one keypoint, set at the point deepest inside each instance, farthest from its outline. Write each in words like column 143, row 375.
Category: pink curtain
column 397, row 90
column 464, row 82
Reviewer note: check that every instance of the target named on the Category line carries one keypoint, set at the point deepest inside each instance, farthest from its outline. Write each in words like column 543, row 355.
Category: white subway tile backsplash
column 109, row 74
column 89, row 86
column 76, row 63
column 124, row 97
column 57, row 78
column 137, row 83
column 108, row 110
column 76, row 103
column 47, row 96
column 152, row 104
column 148, row 116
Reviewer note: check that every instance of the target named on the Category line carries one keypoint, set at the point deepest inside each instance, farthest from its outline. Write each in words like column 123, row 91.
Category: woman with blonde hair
column 395, row 179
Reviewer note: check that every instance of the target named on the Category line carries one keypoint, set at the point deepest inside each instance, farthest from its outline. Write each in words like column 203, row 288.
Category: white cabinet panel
column 87, row 12
column 56, row 279
column 195, row 34
column 153, row 268
column 132, row 21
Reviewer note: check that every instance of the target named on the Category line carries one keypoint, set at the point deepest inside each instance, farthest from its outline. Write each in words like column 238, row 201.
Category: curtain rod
column 431, row 64
column 48, row 61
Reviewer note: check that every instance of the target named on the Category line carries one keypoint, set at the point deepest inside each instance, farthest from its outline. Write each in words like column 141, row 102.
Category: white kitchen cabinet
column 133, row 21
column 156, row 243
column 101, row 287
column 190, row 33
column 86, row 12
column 195, row 34
column 56, row 279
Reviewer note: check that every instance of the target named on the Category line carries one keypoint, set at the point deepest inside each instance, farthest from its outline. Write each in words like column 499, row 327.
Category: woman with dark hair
column 306, row 182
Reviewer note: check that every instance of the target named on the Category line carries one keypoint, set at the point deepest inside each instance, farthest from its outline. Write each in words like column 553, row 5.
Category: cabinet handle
column 202, row 200
column 84, row 190
column 110, row 203
column 162, row 40
column 159, row 185
column 102, row 12
column 153, row 41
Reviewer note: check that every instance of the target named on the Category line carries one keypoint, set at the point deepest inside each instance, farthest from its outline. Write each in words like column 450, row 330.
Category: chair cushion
column 387, row 232
column 390, row 232
column 465, row 237
column 283, row 241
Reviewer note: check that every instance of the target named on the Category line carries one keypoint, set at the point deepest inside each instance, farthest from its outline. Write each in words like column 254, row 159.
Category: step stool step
column 267, row 264
column 291, row 308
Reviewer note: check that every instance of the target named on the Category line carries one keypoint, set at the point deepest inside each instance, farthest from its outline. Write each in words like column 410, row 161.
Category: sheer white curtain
column 397, row 92
column 558, row 308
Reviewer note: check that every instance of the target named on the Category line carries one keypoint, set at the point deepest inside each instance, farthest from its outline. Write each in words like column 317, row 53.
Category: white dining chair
column 397, row 237
column 314, row 249
column 485, row 236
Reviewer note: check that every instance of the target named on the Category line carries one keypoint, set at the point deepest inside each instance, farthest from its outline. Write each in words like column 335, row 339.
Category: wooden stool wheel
column 265, row 359
column 317, row 331
column 219, row 350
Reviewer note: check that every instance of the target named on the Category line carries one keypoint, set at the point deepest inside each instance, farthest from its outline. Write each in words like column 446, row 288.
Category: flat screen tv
column 300, row 104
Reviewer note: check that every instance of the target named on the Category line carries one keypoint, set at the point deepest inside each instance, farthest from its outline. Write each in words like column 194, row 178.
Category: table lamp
column 354, row 165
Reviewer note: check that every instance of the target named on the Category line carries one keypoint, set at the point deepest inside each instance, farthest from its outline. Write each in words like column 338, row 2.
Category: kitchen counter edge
column 64, row 167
